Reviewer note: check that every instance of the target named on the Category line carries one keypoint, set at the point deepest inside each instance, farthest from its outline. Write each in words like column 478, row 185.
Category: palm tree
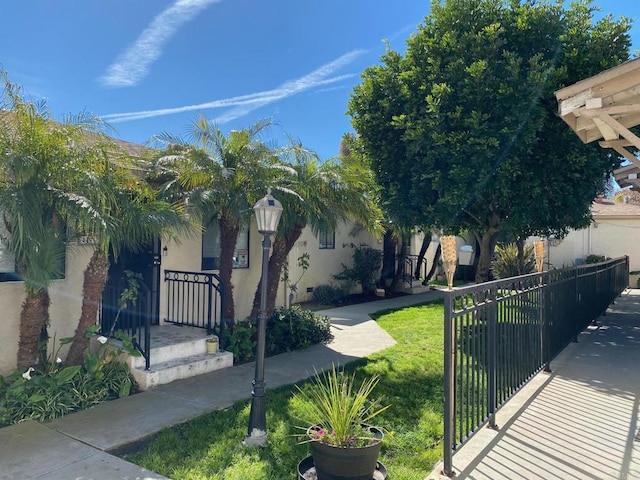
column 40, row 160
column 326, row 194
column 220, row 178
column 139, row 218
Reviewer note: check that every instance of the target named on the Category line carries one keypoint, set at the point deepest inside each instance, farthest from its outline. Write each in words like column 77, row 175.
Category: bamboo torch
column 538, row 248
column 449, row 257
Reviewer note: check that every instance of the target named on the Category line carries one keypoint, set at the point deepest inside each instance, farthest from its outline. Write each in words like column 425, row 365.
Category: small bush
column 242, row 341
column 506, row 263
column 366, row 266
column 595, row 259
column 328, row 294
column 287, row 329
column 294, row 329
column 55, row 390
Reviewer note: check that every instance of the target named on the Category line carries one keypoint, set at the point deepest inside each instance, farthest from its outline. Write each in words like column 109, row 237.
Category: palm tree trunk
column 95, row 278
column 34, row 319
column 279, row 252
column 229, row 230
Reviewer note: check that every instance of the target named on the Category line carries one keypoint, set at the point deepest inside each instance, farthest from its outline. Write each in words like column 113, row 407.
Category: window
column 9, row 272
column 211, row 248
column 7, row 260
column 327, row 239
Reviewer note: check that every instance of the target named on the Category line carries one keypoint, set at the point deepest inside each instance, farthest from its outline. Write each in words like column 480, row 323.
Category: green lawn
column 209, row 447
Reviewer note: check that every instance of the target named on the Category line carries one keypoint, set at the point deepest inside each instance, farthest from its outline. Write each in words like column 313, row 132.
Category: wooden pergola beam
column 621, row 129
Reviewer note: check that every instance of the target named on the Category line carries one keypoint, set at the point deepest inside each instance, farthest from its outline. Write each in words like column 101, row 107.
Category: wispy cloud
column 133, row 65
column 402, row 33
column 244, row 104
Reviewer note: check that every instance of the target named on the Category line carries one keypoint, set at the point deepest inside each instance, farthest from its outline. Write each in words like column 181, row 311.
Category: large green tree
column 462, row 131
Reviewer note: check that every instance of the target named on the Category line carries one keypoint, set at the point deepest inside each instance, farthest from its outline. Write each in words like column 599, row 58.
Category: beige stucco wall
column 323, row 264
column 11, row 298
column 64, row 311
column 184, row 255
column 609, row 236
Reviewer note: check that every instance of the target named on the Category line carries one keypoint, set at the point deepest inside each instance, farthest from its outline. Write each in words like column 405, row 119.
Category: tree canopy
column 462, row 131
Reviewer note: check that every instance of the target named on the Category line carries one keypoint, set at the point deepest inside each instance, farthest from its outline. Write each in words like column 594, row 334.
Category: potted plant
column 337, row 412
column 212, row 344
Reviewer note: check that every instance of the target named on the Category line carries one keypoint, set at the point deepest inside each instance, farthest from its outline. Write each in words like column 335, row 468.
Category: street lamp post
column 268, row 211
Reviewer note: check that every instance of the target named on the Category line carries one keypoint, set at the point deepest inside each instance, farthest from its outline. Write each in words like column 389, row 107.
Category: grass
column 209, row 447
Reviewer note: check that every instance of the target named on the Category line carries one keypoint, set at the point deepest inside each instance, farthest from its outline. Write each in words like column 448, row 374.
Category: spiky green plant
column 334, row 408
column 507, row 263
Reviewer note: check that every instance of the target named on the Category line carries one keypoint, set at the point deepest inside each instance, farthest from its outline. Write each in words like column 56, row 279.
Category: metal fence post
column 492, row 345
column 449, row 384
column 223, row 321
column 578, row 306
column 544, row 326
column 209, row 303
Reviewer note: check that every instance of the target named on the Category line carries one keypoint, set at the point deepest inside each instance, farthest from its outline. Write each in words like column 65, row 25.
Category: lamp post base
column 257, row 438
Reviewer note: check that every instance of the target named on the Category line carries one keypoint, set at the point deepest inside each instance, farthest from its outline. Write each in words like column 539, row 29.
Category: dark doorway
column 145, row 263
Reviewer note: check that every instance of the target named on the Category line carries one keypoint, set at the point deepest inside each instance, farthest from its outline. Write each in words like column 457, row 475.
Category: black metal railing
column 195, row 299
column 413, row 270
column 134, row 320
column 500, row 334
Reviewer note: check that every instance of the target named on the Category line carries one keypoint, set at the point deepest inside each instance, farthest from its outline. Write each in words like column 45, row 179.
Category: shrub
column 294, row 329
column 328, row 294
column 242, row 341
column 507, row 264
column 366, row 265
column 595, row 259
column 287, row 329
column 55, row 390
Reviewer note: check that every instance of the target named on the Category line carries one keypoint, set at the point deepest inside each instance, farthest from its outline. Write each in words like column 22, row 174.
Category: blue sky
column 152, row 66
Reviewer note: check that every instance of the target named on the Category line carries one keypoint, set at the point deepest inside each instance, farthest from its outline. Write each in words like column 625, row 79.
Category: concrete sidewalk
column 76, row 446
column 578, row 422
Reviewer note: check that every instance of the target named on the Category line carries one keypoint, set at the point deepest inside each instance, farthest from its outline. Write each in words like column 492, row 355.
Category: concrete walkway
column 76, row 446
column 578, row 422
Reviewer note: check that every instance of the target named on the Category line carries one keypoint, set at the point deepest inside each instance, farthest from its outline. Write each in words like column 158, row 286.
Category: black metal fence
column 413, row 269
column 134, row 320
column 500, row 334
column 195, row 299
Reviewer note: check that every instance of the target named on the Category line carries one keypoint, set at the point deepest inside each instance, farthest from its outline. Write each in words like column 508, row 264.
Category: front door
column 146, row 265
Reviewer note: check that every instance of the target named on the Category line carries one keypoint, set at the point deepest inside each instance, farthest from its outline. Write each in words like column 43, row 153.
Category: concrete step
column 179, row 368
column 416, row 288
column 166, row 353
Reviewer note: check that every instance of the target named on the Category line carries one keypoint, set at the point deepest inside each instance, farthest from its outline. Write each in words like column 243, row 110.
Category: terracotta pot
column 346, row 463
